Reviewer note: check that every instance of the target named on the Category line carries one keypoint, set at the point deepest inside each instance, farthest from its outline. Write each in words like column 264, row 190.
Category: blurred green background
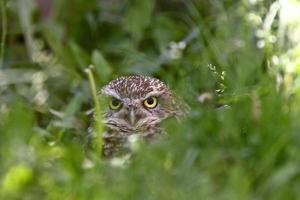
column 244, row 54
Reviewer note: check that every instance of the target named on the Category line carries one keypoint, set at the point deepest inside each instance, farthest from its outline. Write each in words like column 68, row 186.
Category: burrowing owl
column 136, row 105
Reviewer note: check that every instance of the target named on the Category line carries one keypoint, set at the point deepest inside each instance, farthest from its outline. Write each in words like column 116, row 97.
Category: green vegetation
column 244, row 54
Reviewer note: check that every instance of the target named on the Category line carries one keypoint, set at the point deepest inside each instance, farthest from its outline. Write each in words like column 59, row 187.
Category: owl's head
column 136, row 104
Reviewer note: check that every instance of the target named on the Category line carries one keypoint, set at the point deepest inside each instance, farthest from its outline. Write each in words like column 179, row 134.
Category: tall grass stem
column 4, row 31
column 98, row 127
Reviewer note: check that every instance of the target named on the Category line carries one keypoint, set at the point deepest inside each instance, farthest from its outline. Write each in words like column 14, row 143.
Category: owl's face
column 137, row 104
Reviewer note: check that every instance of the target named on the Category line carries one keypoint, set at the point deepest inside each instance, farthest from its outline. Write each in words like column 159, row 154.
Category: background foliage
column 244, row 54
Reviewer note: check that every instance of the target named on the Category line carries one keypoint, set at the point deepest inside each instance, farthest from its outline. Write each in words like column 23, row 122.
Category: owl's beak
column 131, row 117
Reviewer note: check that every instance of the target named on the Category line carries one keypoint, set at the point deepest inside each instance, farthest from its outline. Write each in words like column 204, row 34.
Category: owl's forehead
column 134, row 87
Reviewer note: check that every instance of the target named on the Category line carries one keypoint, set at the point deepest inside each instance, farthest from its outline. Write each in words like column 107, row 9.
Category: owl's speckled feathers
column 135, row 87
column 137, row 106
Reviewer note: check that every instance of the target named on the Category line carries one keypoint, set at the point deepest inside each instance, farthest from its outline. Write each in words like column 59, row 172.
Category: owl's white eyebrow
column 109, row 92
column 154, row 93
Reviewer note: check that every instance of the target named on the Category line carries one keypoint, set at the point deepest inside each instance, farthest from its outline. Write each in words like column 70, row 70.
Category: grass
column 243, row 54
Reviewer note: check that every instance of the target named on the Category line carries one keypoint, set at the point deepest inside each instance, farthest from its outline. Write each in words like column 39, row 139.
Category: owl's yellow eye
column 115, row 104
column 150, row 102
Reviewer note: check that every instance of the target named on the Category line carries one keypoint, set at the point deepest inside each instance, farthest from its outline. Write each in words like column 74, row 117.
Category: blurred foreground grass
column 241, row 53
